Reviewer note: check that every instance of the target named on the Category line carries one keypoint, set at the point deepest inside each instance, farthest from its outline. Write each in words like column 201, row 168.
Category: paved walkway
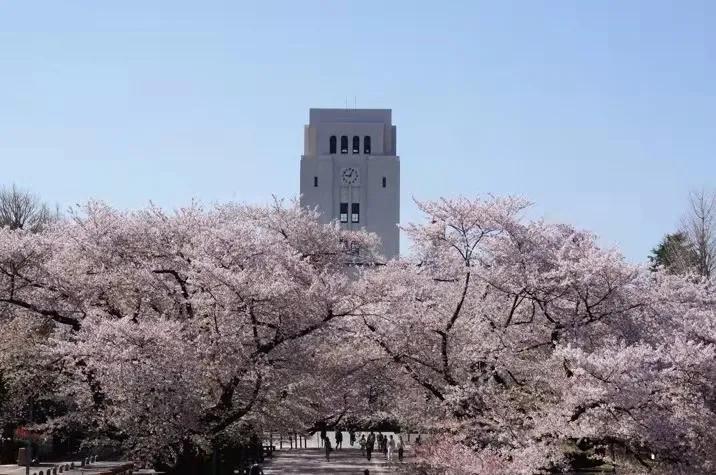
column 310, row 461
column 46, row 469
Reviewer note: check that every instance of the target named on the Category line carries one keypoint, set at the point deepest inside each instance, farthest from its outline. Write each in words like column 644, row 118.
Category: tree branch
column 53, row 314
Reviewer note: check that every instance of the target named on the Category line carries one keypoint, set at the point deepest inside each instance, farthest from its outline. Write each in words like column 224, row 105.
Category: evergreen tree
column 675, row 254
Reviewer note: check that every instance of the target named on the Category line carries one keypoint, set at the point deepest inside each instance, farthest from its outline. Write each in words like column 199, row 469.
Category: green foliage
column 675, row 254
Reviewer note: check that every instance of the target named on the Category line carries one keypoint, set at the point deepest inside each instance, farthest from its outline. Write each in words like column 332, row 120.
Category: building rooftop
column 350, row 115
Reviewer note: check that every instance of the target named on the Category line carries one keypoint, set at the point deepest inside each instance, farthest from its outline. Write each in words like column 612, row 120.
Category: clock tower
column 350, row 171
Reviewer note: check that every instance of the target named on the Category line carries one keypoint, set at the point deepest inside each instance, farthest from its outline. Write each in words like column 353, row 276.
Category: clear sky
column 603, row 113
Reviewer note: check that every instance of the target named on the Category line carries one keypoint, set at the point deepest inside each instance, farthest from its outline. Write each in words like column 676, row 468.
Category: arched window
column 366, row 144
column 344, row 144
column 356, row 144
column 333, row 144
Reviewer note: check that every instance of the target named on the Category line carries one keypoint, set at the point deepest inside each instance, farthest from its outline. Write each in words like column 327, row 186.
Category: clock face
column 349, row 176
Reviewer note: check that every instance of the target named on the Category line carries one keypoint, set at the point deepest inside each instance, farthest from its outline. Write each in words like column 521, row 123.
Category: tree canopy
column 518, row 342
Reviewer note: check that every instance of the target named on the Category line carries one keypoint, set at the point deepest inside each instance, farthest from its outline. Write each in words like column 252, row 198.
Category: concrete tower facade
column 350, row 171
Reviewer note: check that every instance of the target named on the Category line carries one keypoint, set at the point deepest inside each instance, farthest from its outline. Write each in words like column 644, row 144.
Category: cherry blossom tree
column 522, row 346
column 532, row 347
column 169, row 333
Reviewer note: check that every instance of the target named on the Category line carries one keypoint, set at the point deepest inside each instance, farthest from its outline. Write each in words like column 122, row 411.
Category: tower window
column 344, row 144
column 356, row 144
column 385, row 182
column 315, row 181
column 355, row 212
column 333, row 144
column 344, row 212
column 366, row 144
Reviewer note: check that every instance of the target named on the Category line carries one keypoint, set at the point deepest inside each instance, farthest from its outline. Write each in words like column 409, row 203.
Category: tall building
column 350, row 171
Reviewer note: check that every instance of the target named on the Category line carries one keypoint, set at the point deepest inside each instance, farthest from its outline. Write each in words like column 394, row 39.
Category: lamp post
column 28, row 459
column 28, row 456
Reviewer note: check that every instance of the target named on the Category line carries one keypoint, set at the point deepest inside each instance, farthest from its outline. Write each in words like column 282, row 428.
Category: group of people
column 386, row 445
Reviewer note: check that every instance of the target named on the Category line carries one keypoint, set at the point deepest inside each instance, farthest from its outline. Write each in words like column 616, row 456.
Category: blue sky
column 602, row 113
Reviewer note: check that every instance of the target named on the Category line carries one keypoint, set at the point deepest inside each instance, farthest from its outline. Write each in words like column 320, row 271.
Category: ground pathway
column 95, row 468
column 310, row 461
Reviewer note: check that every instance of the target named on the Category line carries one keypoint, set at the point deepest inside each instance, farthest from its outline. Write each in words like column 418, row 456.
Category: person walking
column 324, row 434
column 352, row 437
column 327, row 443
column 362, row 443
column 401, row 448
column 390, row 448
column 370, row 444
column 339, row 440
